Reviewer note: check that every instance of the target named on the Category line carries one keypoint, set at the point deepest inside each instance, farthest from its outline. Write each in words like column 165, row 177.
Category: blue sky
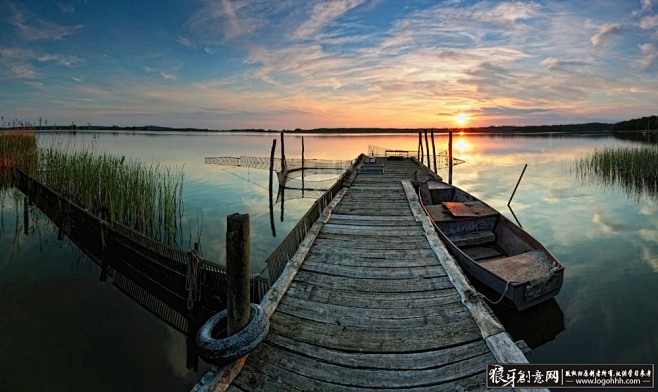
column 344, row 63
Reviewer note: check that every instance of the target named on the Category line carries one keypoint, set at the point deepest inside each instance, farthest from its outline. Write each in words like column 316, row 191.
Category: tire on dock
column 221, row 351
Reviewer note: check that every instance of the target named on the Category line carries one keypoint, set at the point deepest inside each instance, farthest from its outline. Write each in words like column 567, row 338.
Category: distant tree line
column 638, row 124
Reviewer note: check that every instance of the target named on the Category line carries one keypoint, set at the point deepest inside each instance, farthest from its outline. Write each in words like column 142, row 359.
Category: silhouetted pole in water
column 302, row 166
column 421, row 153
column 271, row 187
column 427, row 148
column 237, row 271
column 433, row 151
column 517, row 185
column 283, row 155
column 450, row 158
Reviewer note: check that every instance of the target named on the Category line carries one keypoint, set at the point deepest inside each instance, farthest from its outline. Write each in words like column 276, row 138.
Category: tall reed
column 633, row 168
column 147, row 198
column 16, row 149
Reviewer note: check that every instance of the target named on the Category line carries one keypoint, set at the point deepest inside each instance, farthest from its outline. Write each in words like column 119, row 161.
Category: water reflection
column 608, row 244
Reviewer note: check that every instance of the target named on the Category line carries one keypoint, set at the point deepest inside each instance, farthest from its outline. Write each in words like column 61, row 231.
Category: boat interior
column 484, row 235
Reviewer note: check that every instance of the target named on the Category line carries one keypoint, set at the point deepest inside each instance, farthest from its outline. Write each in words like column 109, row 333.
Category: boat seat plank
column 520, row 268
column 473, row 238
column 482, row 252
column 469, row 209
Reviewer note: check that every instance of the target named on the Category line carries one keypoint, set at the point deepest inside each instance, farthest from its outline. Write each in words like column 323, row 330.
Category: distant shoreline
column 569, row 128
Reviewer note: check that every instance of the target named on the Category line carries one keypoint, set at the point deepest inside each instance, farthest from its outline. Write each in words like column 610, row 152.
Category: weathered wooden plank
column 382, row 223
column 374, row 218
column 374, row 285
column 332, row 228
column 374, row 338
column 371, row 230
column 389, row 361
column 366, row 260
column 386, row 273
column 372, row 300
column 265, row 376
column 342, row 240
column 322, row 251
column 365, row 317
column 371, row 211
column 371, row 378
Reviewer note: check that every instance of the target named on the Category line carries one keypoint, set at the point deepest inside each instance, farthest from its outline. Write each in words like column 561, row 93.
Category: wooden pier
column 372, row 300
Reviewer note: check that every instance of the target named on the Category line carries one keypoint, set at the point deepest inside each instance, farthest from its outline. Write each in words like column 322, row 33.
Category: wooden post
column 283, row 155
column 450, row 158
column 302, row 166
column 427, row 148
column 420, row 147
column 271, row 188
column 237, row 270
column 272, row 166
column 433, row 150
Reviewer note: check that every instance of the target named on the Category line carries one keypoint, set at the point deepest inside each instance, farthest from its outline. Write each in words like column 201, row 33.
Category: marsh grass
column 16, row 149
column 145, row 197
column 635, row 169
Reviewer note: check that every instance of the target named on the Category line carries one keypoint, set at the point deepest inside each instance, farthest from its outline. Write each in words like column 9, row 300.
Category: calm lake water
column 63, row 330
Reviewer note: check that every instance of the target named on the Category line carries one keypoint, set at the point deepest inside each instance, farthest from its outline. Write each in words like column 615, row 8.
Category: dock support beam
column 433, row 151
column 237, row 270
column 427, row 148
column 450, row 158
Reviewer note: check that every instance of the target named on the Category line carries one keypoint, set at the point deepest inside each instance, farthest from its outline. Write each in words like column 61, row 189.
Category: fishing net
column 442, row 157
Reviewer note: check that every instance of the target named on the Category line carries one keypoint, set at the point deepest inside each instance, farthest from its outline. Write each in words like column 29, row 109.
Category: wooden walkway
column 370, row 303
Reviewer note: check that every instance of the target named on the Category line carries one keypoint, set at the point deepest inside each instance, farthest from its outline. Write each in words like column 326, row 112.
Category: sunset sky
column 344, row 63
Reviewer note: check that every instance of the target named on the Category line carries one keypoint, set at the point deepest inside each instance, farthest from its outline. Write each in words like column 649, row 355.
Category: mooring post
column 272, row 166
column 433, row 150
column 237, row 270
column 302, row 166
column 271, row 187
column 283, row 154
column 420, row 147
column 427, row 148
column 450, row 158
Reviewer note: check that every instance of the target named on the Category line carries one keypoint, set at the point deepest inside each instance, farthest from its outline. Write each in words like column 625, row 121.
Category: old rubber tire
column 222, row 351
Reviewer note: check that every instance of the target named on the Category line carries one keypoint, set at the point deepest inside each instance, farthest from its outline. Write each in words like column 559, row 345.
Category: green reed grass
column 17, row 149
column 145, row 197
column 633, row 168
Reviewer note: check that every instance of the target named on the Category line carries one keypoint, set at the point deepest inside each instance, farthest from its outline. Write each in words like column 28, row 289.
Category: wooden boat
column 490, row 248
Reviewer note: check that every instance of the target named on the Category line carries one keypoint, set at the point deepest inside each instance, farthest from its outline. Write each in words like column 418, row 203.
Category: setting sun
column 461, row 119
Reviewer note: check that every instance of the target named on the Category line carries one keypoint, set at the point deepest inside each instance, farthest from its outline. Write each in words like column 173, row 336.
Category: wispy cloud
column 22, row 71
column 650, row 53
column 32, row 27
column 553, row 64
column 168, row 76
column 322, row 14
column 605, row 32
column 59, row 59
column 649, row 22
